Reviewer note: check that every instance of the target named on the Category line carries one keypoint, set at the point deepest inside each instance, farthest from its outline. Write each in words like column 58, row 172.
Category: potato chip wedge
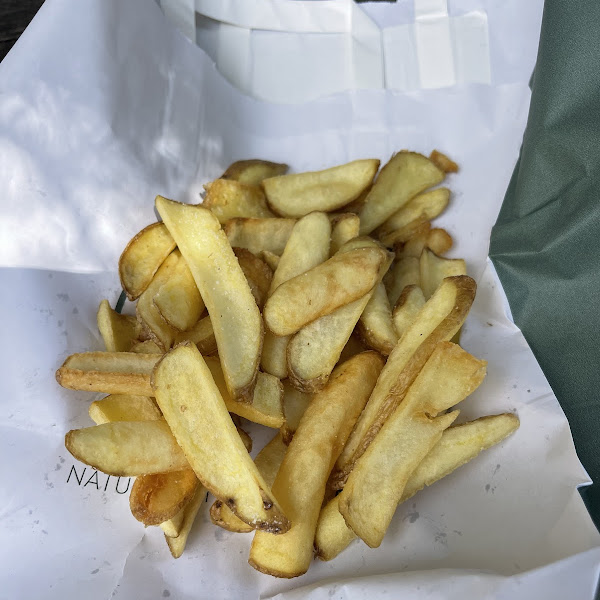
column 172, row 527
column 443, row 162
column 342, row 279
column 236, row 320
column 295, row 404
column 401, row 179
column 195, row 410
column 146, row 347
column 108, row 372
column 274, row 355
column 439, row 319
column 127, row 448
column 267, row 461
column 298, row 194
column 158, row 497
column 201, row 334
column 259, row 235
column 228, row 199
column 344, row 227
column 439, row 241
column 375, row 324
column 300, row 482
column 118, row 331
column 142, row 257
column 404, row 271
column 177, row 544
column 434, row 269
column 425, row 206
column 253, row 171
column 257, row 272
column 124, row 407
column 407, row 308
column 178, row 300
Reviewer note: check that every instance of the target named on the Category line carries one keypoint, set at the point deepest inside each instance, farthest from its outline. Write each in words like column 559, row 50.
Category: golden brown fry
column 257, row 272
column 127, row 448
column 295, row 404
column 274, row 354
column 439, row 319
column 177, row 544
column 433, row 270
column 201, row 334
column 401, row 179
column 407, row 308
column 236, row 320
column 375, row 324
column 158, row 497
column 300, row 482
column 439, row 241
column 123, row 407
column 194, row 408
column 258, row 235
column 142, row 257
column 405, row 271
column 443, row 162
column 146, row 347
column 172, row 527
column 299, row 194
column 108, row 372
column 253, row 171
column 228, row 199
column 344, row 227
column 342, row 279
column 118, row 331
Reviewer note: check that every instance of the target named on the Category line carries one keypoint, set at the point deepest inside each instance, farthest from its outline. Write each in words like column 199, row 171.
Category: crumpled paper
column 105, row 105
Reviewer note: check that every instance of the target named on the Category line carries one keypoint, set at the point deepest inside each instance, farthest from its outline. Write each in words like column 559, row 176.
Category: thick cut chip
column 146, row 347
column 439, row 319
column 407, row 308
column 201, row 334
column 259, row 235
column 266, row 406
column 443, row 162
column 375, row 325
column 178, row 300
column 403, row 272
column 142, row 257
column 267, row 461
column 433, row 270
column 197, row 414
column 425, row 206
column 123, row 407
column 158, row 497
column 274, row 354
column 301, row 480
column 298, row 194
column 271, row 259
column 295, row 404
column 253, row 171
column 172, row 527
column 439, row 241
column 401, row 179
column 344, row 227
column 108, row 372
column 127, row 448
column 147, row 312
column 228, row 199
column 118, row 331
column 342, row 279
column 236, row 320
column 177, row 544
column 257, row 272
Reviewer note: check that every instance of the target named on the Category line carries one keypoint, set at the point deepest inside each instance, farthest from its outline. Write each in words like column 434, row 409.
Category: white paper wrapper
column 103, row 105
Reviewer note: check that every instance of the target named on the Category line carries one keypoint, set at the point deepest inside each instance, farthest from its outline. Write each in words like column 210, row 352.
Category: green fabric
column 546, row 242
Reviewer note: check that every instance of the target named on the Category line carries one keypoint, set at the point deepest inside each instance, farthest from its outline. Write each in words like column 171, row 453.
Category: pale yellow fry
column 375, row 324
column 172, row 527
column 127, row 448
column 300, row 482
column 197, row 414
column 439, row 241
column 401, row 179
column 118, row 331
column 142, row 257
column 299, row 194
column 274, row 354
column 295, row 404
column 108, row 372
column 407, row 308
column 403, row 272
column 433, row 270
column 342, row 279
column 267, row 461
column 177, row 544
column 439, row 319
column 271, row 259
column 258, row 235
column 201, row 334
column 443, row 162
column 124, row 407
column 236, row 320
column 178, row 299
column 332, row 534
column 345, row 227
column 370, row 496
column 146, row 347
column 228, row 199
column 253, row 171
column 147, row 312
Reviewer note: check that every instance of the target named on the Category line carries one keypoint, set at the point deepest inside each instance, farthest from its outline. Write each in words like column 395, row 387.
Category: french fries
column 407, row 308
column 177, row 543
column 120, row 407
column 118, row 331
column 344, row 227
column 201, row 334
column 236, row 320
column 259, row 235
column 295, row 404
column 434, row 269
column 228, row 199
column 375, row 325
column 252, row 172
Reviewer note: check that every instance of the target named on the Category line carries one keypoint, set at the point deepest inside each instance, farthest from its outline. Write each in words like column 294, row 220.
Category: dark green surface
column 546, row 242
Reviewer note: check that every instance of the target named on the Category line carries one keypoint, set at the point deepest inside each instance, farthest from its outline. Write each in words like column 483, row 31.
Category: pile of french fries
column 317, row 304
